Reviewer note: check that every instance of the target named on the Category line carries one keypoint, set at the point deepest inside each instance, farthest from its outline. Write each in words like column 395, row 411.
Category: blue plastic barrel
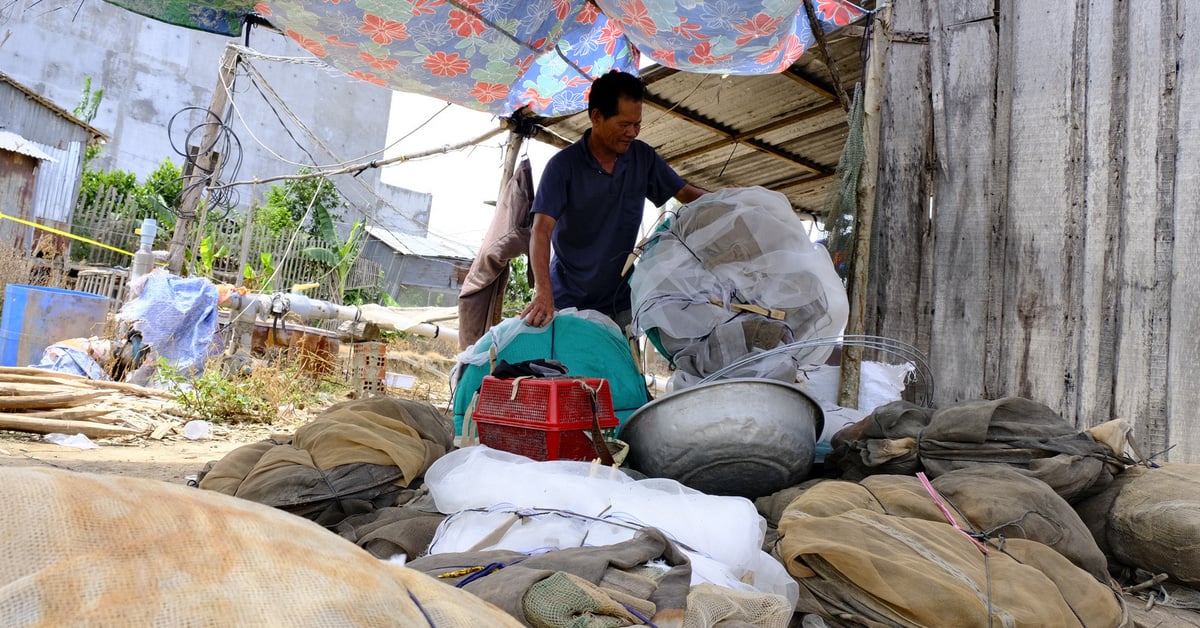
column 35, row 317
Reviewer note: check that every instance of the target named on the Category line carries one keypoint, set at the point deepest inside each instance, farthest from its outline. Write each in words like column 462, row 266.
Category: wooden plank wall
column 1064, row 176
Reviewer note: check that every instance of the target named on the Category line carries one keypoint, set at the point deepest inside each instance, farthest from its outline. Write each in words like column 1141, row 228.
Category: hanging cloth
column 481, row 300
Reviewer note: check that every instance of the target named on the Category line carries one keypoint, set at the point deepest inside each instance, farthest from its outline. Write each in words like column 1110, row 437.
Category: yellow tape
column 63, row 233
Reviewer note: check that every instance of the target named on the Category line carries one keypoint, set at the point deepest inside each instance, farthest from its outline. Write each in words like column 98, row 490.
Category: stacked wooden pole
column 43, row 402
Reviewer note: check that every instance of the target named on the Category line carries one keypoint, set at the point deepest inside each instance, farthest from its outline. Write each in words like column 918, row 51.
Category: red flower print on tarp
column 370, row 78
column 421, row 7
column 702, row 55
column 465, row 24
column 635, row 15
column 262, row 8
column 791, row 51
column 588, row 14
column 687, row 31
column 450, row 65
column 383, row 31
column 759, row 25
column 524, row 64
column 333, row 40
column 535, row 100
column 837, row 12
column 665, row 57
column 610, row 34
column 489, row 92
column 562, row 8
column 310, row 45
column 379, row 63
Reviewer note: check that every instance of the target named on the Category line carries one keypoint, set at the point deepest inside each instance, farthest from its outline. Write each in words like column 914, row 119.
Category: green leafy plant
column 518, row 293
column 339, row 257
column 209, row 253
column 256, row 279
column 288, row 207
column 253, row 397
column 89, row 104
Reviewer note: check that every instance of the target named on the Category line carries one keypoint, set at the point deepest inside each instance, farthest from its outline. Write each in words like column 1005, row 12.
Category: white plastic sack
column 482, row 488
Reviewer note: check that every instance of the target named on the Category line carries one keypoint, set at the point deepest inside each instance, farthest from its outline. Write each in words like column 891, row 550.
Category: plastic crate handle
column 597, row 436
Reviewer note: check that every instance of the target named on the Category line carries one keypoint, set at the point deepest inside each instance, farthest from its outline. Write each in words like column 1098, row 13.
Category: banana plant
column 339, row 257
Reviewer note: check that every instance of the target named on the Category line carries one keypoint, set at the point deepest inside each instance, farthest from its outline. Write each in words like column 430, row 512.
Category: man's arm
column 540, row 310
column 689, row 193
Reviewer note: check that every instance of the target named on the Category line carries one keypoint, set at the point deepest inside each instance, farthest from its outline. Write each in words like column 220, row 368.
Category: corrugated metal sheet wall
column 57, row 183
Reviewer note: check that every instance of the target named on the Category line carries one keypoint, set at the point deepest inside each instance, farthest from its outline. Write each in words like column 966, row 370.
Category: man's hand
column 540, row 310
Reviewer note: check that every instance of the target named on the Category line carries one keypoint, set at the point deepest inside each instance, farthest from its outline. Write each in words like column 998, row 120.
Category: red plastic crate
column 549, row 418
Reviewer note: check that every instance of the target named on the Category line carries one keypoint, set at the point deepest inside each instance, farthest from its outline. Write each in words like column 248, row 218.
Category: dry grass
column 15, row 268
column 430, row 360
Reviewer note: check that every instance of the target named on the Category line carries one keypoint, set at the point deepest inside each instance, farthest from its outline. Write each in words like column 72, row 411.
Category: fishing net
column 732, row 274
column 1150, row 518
column 841, row 206
column 885, row 554
column 90, row 550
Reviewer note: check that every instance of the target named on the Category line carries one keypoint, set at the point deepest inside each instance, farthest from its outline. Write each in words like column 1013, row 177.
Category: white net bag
column 733, row 274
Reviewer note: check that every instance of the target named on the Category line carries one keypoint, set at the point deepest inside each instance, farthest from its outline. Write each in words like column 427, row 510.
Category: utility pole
column 206, row 161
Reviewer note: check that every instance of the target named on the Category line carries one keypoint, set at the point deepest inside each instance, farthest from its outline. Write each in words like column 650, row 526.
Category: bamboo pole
column 20, row 422
column 864, row 221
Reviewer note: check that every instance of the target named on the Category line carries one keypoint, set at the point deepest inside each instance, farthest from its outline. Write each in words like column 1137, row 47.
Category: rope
column 60, row 232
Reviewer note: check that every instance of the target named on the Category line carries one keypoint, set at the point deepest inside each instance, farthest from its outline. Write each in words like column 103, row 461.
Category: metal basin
column 747, row 437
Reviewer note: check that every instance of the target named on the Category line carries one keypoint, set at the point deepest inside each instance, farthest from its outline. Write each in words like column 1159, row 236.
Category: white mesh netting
column 734, row 273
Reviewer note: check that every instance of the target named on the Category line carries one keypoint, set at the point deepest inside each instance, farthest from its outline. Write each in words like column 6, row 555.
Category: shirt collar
column 622, row 158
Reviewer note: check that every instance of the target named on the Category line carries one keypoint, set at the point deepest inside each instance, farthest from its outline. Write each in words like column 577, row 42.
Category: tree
column 89, row 104
column 309, row 204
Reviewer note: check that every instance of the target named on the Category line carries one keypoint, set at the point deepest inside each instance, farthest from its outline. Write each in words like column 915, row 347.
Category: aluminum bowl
column 748, row 437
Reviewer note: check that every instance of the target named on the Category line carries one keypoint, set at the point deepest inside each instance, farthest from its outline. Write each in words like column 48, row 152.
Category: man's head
column 615, row 110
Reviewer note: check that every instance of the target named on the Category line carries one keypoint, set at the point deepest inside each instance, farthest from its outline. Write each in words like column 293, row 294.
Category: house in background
column 41, row 160
column 418, row 271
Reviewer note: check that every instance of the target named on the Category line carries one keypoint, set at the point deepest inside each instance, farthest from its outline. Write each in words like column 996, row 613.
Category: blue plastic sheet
column 177, row 317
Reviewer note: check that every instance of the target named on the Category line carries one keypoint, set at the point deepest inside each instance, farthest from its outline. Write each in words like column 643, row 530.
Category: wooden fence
column 1036, row 197
column 112, row 219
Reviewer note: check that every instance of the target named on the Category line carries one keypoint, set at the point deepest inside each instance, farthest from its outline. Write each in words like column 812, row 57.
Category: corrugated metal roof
column 97, row 135
column 429, row 246
column 15, row 143
column 784, row 132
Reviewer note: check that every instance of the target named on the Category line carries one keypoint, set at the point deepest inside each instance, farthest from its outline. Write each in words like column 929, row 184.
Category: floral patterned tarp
column 500, row 55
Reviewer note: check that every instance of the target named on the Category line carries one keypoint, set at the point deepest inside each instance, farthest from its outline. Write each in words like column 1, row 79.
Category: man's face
column 618, row 132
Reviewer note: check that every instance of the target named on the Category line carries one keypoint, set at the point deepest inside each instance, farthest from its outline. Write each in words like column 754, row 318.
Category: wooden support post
column 815, row 24
column 205, row 163
column 860, row 265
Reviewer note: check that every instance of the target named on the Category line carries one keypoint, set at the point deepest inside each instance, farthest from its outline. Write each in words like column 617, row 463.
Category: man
column 590, row 203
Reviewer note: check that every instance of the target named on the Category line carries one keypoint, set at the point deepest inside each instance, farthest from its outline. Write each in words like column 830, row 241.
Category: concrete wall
column 149, row 71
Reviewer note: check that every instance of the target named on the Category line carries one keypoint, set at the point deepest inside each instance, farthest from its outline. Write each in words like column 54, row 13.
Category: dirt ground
column 171, row 459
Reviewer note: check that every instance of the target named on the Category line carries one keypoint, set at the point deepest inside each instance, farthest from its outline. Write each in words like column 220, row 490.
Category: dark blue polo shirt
column 598, row 216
